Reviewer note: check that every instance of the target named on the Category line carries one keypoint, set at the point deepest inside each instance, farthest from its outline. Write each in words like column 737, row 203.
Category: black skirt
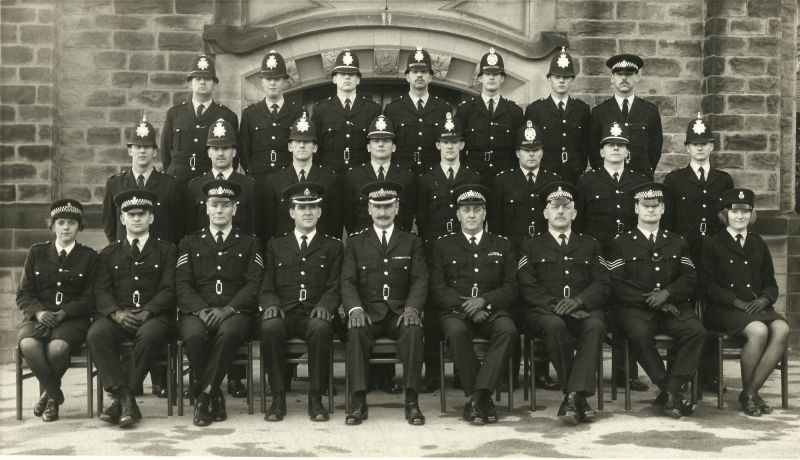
column 72, row 331
column 732, row 321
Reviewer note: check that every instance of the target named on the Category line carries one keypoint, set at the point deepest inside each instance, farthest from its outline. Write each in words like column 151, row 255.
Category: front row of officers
column 470, row 284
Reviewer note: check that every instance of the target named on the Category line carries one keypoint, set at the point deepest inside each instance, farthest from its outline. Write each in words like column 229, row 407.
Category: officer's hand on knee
column 473, row 304
column 321, row 313
column 271, row 312
column 47, row 318
column 357, row 318
column 480, row 316
column 409, row 317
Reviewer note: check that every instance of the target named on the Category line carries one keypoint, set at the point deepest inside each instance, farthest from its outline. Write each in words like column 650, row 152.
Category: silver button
column 136, row 278
column 477, row 270
column 386, row 273
column 303, row 273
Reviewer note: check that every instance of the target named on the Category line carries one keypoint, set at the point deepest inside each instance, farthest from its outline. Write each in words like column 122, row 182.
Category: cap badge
column 272, row 62
column 219, row 129
column 418, row 56
column 491, row 59
column 741, row 195
column 563, row 60
column 142, row 130
column 530, row 133
column 449, row 125
column 302, row 125
column 202, row 63
column 616, row 130
column 347, row 59
column 381, row 123
column 699, row 127
column 219, row 190
column 306, row 192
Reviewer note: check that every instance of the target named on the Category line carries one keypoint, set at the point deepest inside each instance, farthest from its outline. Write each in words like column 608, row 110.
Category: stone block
column 17, row 172
column 682, row 87
column 724, row 46
column 125, row 116
column 182, row 62
column 45, row 16
column 6, row 240
column 114, row 155
column 763, row 85
column 175, row 79
column 8, row 33
column 763, row 46
column 774, row 26
column 119, row 22
column 16, row 55
column 592, row 66
column 72, row 136
column 110, row 60
column 18, row 15
column 716, row 26
column 80, row 116
column 98, row 174
column 714, row 65
column 18, row 133
column 764, row 8
column 682, row 48
column 25, row 238
column 128, row 40
column 748, row 66
column 726, row 8
column 44, row 133
column 129, row 79
column 87, row 39
column 591, row 84
column 183, row 22
column 7, row 113
column 44, row 95
column 675, row 125
column 662, row 67
column 762, row 161
column 36, row 113
column 585, row 10
column 671, row 28
column 142, row 7
column 744, row 142
column 718, row 84
column 147, row 61
column 36, row 34
column 180, row 41
column 639, row 10
column 640, row 46
column 179, row 97
column 151, row 98
column 99, row 135
column 773, row 104
column 8, row 193
column 194, row 6
column 601, row 28
column 665, row 104
column 748, row 26
column 36, row 74
column 13, row 94
column 692, row 68
column 747, row 104
column 105, row 98
column 727, row 122
column 80, row 193
column 692, row 10
column 77, row 154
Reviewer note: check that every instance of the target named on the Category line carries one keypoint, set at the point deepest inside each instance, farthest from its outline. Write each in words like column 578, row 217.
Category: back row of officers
column 634, row 265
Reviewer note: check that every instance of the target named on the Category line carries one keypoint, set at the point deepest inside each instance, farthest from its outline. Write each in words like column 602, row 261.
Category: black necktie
column 561, row 106
column 384, row 243
column 625, row 109
column 450, row 176
column 200, row 110
column 274, row 110
column 702, row 175
column 347, row 106
column 653, row 239
column 62, row 256
column 220, row 176
column 491, row 106
column 420, row 106
column 140, row 181
column 563, row 242
column 473, row 241
column 220, row 240
column 304, row 243
column 531, row 178
column 135, row 248
column 616, row 177
column 302, row 175
column 740, row 239
column 381, row 174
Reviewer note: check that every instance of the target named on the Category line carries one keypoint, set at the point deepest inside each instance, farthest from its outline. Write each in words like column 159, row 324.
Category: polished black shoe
column 217, row 408
column 111, row 413
column 277, row 410
column 712, row 386
column 316, row 410
column 686, row 407
column 359, row 411
column 546, row 382
column 236, row 388
column 585, row 412
column 489, row 410
column 160, row 391
column 38, row 408
column 477, row 413
column 467, row 413
column 762, row 405
column 636, row 384
column 749, row 405
column 668, row 404
column 414, row 414
column 567, row 411
column 50, row 413
column 130, row 413
column 202, row 416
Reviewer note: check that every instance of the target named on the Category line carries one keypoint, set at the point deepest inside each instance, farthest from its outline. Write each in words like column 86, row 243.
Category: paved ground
column 617, row 433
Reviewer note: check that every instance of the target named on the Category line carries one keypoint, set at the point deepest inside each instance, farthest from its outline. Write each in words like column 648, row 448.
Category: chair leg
column 179, row 357
column 331, row 406
column 533, row 377
column 168, row 371
column 346, row 382
column 720, row 375
column 511, row 384
column 600, row 396
column 18, row 354
column 90, row 372
column 696, row 386
column 250, row 408
column 263, row 380
column 442, row 399
column 627, row 377
column 525, row 370
column 785, row 379
column 614, row 375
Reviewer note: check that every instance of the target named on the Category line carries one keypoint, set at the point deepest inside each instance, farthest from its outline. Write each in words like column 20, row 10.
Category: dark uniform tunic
column 515, row 208
column 342, row 137
column 47, row 285
column 354, row 203
column 247, row 210
column 416, row 131
column 264, row 138
column 298, row 281
column 183, row 139
column 489, row 138
column 126, row 282
column 383, row 283
column 565, row 136
column 732, row 272
column 210, row 276
column 436, row 211
column 548, row 274
column 490, row 271
column 638, row 268
column 644, row 131
column 169, row 222
column 276, row 208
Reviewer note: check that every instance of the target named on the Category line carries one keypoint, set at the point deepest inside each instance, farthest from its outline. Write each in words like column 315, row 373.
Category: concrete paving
column 638, row 433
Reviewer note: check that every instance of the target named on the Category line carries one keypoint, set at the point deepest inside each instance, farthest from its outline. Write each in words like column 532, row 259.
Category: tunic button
column 273, row 138
column 420, row 120
column 658, row 269
column 60, row 270
column 219, row 253
column 748, row 285
column 303, row 273
column 58, row 284
column 566, row 272
column 274, row 124
column 745, row 262
column 475, row 255
column 137, row 278
column 564, row 134
column 386, row 273
column 197, row 126
column 195, row 139
column 655, row 254
column 302, row 285
column 347, row 136
column 385, row 260
column 477, row 270
column 420, row 133
column 491, row 138
column 219, row 267
column 563, row 121
column 731, row 285
column 303, row 259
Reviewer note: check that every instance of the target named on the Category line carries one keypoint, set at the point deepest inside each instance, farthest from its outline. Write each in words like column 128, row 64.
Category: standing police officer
column 490, row 122
column 564, row 122
column 186, row 126
column 342, row 120
column 135, row 298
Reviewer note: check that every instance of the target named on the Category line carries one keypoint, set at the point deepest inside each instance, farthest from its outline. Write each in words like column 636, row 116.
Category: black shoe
column 749, row 405
column 111, row 413
column 467, row 413
column 567, row 411
column 38, row 408
column 686, row 407
column 359, row 411
column 236, row 388
column 50, row 413
column 636, row 384
column 130, row 413
column 160, row 391
column 429, row 384
column 316, row 411
column 668, row 404
column 277, row 410
column 762, row 405
column 712, row 386
column 545, row 382
column 202, row 416
column 414, row 414
column 585, row 412
column 217, row 408
column 489, row 410
column 393, row 388
column 477, row 413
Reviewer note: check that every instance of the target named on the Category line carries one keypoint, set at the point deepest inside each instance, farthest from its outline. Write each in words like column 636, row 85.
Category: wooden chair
column 127, row 354
column 481, row 347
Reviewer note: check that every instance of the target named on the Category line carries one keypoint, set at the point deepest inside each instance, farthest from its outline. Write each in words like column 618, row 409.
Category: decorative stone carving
column 329, row 61
column 386, row 61
column 440, row 64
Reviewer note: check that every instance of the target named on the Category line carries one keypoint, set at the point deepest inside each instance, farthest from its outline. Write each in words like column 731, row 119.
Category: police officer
column 135, row 295
column 342, row 120
column 381, row 137
column 222, row 151
column 565, row 285
column 606, row 209
column 384, row 286
column 264, row 132
column 299, row 296
column 302, row 146
column 490, row 122
column 564, row 122
column 474, row 284
column 416, row 116
column 186, row 126
column 641, row 118
column 653, row 282
column 219, row 273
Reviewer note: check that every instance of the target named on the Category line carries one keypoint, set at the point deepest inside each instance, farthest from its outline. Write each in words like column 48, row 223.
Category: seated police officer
column 565, row 284
column 474, row 284
column 653, row 281
column 218, row 276
column 298, row 298
column 135, row 298
column 384, row 286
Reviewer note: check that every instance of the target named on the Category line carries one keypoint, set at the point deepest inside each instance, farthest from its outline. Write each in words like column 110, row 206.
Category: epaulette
column 587, row 236
column 505, row 171
column 350, row 168
column 43, row 243
column 358, row 232
column 499, row 236
column 331, row 237
column 284, row 234
column 637, row 173
column 162, row 241
column 118, row 174
column 509, row 100
column 446, row 235
column 183, row 103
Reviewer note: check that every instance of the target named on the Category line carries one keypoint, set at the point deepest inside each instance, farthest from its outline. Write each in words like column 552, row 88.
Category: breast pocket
column 599, row 205
column 492, row 269
column 331, row 136
column 638, row 133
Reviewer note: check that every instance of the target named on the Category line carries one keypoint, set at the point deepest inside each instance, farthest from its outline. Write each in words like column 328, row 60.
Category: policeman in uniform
column 217, row 282
column 565, row 285
column 564, row 122
column 186, row 126
column 264, row 132
column 474, row 284
column 384, row 287
column 653, row 282
column 168, row 223
column 302, row 146
column 381, row 137
column 641, row 118
column 299, row 296
column 490, row 122
column 416, row 116
column 342, row 120
column 693, row 201
column 135, row 300
column 605, row 210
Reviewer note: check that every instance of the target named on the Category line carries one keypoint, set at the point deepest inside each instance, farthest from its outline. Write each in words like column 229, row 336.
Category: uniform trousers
column 503, row 337
column 297, row 324
column 211, row 352
column 576, row 365
column 148, row 340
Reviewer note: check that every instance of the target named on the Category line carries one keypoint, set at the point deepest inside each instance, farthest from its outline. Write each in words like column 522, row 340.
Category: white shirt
column 206, row 104
column 557, row 99
column 620, row 99
column 733, row 235
column 305, row 169
column 145, row 174
column 477, row 237
column 310, row 236
column 424, row 99
column 647, row 234
column 486, row 98
column 270, row 104
column 68, row 248
column 142, row 240
column 225, row 174
column 555, row 235
column 352, row 99
column 611, row 171
column 388, row 231
column 696, row 167
column 377, row 166
column 526, row 171
column 445, row 167
column 225, row 232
